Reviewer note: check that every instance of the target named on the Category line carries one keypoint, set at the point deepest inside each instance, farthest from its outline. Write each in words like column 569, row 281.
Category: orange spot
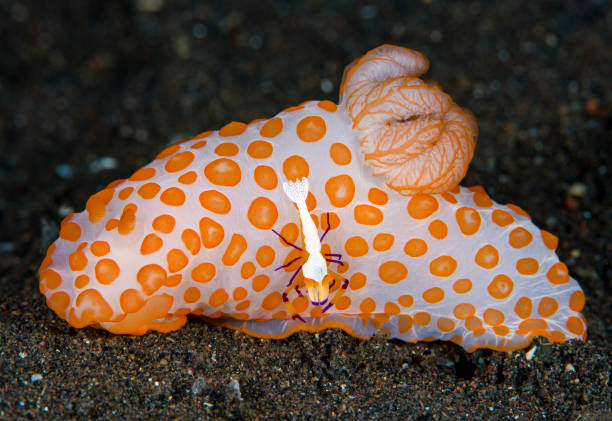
column 96, row 204
column 191, row 295
column 327, row 106
column 311, row 128
column 340, row 154
column 234, row 250
column 94, row 307
column 265, row 177
column 227, row 149
column 151, row 278
column 501, row 330
column 519, row 237
column 422, row 318
column 550, row 240
column 438, row 229
column 149, row 190
column 357, row 281
column 191, row 240
column 272, row 127
column 211, row 233
column 392, row 272
column 462, row 286
column 415, row 247
column 404, row 323
column 127, row 220
column 501, row 218
column 487, row 257
column 188, row 178
column 173, row 280
column 223, row 172
column 173, row 196
column 81, row 281
column 577, row 301
column 421, row 206
column 170, row 150
column 481, row 199
column 290, row 233
column 445, row 325
column 433, row 295
column 356, row 246
column 340, row 190
column 247, row 270
column 272, row 301
column 392, row 308
column 143, row 174
column 150, row 244
column 176, row 260
column 334, row 220
column 125, row 193
column 49, row 279
column 532, row 324
column 240, row 294
column 218, row 298
column 575, row 325
column 164, row 224
column 198, row 145
column 405, row 300
column 204, row 272
column 215, row 201
column 343, row 303
column 449, row 197
column 523, row 307
column 500, row 287
column 527, row 266
column 377, row 196
column 518, row 210
column 368, row 305
column 260, row 282
column 106, row 271
column 547, row 306
column 383, row 242
column 291, row 109
column 295, row 167
column 233, row 128
column 443, row 266
column 493, row 317
column 179, row 162
column 558, row 274
column 70, row 231
column 111, row 224
column 77, row 261
column 468, row 220
column 131, row 301
column 368, row 215
column 262, row 213
column 260, row 149
column 265, row 256
column 115, row 183
column 464, row 311
column 473, row 323
column 311, row 202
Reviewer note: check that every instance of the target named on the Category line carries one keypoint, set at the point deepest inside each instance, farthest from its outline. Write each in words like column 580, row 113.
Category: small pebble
column 35, row 378
column 529, row 355
column 577, row 190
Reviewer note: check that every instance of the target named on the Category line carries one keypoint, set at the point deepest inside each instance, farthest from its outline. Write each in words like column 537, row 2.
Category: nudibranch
column 327, row 215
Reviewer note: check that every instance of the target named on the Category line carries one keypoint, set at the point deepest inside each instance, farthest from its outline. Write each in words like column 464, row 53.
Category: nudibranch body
column 326, row 215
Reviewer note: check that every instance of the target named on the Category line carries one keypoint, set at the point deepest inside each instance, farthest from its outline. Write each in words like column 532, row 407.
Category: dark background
column 90, row 91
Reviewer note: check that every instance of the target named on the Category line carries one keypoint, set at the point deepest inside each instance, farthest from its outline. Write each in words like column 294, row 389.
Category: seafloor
column 90, row 91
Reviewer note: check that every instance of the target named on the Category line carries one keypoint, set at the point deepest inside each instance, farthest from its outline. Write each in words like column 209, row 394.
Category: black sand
column 122, row 79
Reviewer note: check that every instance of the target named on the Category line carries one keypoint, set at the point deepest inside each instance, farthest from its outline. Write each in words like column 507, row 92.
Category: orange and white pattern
column 206, row 229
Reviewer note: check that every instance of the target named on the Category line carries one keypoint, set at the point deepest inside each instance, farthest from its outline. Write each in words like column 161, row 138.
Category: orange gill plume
column 411, row 133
